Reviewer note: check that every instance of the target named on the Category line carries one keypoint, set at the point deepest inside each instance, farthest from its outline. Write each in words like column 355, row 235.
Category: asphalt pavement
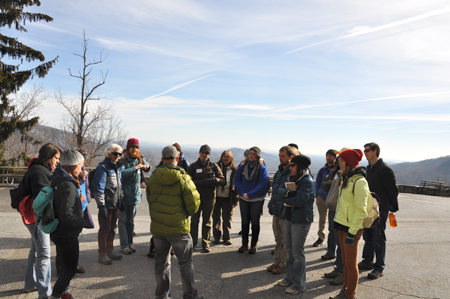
column 417, row 261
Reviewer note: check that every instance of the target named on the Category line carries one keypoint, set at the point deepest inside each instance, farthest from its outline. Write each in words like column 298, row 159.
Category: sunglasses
column 367, row 150
column 203, row 152
column 116, row 154
column 292, row 165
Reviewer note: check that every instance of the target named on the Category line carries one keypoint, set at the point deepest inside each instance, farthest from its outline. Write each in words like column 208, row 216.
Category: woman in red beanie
column 349, row 217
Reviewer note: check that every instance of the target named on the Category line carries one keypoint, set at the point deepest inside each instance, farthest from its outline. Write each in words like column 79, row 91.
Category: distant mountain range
column 411, row 173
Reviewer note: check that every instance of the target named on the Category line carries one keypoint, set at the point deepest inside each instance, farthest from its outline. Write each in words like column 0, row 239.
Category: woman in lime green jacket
column 349, row 218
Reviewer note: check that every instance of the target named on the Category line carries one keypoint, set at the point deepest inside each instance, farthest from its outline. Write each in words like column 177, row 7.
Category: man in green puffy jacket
column 172, row 198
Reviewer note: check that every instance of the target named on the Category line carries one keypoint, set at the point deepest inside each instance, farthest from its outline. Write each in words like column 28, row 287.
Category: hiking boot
column 253, row 249
column 30, row 290
column 318, row 243
column 216, row 241
column 272, row 252
column 339, row 280
column 243, row 248
column 364, row 266
column 271, row 267
column 105, row 260
column 206, row 250
column 126, row 251
column 332, row 274
column 375, row 274
column 293, row 292
column 151, row 254
column 341, row 295
column 133, row 250
column 283, row 283
column 80, row 269
column 279, row 270
column 114, row 256
column 328, row 257
column 228, row 242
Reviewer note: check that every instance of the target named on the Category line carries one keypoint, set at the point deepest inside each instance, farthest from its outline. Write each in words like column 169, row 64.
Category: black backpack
column 91, row 176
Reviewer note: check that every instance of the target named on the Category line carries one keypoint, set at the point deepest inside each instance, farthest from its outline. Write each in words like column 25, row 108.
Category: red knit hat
column 132, row 141
column 352, row 156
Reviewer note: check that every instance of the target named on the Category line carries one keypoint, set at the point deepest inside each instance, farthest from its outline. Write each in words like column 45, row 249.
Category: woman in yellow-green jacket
column 349, row 218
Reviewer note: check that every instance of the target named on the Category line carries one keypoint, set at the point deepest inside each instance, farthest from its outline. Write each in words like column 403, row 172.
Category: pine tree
column 11, row 77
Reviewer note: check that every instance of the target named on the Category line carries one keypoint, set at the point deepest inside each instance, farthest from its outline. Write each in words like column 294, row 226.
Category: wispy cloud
column 179, row 86
column 250, row 107
column 361, row 30
column 367, row 100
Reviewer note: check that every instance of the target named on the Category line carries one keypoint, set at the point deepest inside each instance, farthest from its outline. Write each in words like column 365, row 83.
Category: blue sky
column 322, row 74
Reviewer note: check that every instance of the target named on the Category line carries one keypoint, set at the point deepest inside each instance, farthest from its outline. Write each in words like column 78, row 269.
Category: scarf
column 255, row 171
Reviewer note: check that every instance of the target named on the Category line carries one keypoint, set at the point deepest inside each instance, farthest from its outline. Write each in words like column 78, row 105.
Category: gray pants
column 182, row 246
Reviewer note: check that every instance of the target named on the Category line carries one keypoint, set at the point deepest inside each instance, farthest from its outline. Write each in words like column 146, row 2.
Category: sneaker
column 271, row 267
column 80, row 269
column 114, row 256
column 375, row 274
column 133, row 250
column 30, row 290
column 338, row 281
column 279, row 270
column 318, row 243
column 283, row 283
column 364, row 266
column 293, row 292
column 340, row 295
column 228, row 242
column 243, row 248
column 332, row 274
column 105, row 260
column 328, row 257
column 126, row 251
column 216, row 241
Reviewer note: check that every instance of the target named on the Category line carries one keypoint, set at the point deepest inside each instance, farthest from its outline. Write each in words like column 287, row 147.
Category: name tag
column 199, row 170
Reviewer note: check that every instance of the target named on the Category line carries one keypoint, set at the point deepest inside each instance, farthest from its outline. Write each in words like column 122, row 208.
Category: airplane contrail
column 179, row 86
column 378, row 28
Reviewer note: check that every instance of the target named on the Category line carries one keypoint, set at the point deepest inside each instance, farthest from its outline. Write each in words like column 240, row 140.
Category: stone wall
column 445, row 192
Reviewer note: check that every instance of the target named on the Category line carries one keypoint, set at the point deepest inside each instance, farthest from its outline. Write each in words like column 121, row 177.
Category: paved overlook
column 417, row 260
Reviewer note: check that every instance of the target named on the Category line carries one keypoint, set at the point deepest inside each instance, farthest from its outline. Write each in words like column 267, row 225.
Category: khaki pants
column 280, row 254
column 322, row 208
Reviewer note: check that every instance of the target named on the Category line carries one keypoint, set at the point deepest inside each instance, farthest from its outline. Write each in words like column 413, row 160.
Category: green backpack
column 44, row 211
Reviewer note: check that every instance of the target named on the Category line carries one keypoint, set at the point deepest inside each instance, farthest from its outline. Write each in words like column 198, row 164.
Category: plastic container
column 392, row 220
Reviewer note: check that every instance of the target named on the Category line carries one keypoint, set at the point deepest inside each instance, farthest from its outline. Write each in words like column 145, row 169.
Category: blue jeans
column 332, row 238
column 183, row 248
column 375, row 243
column 295, row 237
column 126, row 226
column 339, row 263
column 250, row 213
column 38, row 273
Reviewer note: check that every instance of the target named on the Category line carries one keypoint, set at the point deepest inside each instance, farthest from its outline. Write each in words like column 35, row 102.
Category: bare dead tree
column 88, row 125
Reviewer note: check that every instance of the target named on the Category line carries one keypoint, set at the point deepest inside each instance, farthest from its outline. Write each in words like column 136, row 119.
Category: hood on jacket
column 168, row 174
column 360, row 170
column 60, row 175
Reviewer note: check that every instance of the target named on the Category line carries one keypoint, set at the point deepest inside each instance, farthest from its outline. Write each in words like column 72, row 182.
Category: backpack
column 327, row 181
column 91, row 176
column 373, row 216
column 17, row 195
column 44, row 211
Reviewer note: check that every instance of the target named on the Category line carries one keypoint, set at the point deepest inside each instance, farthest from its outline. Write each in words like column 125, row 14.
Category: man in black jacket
column 381, row 179
column 206, row 176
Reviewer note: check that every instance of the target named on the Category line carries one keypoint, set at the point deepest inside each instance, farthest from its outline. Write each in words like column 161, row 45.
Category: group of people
column 180, row 193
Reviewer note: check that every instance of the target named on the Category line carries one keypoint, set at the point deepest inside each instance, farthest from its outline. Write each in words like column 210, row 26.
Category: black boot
column 244, row 247
column 253, row 248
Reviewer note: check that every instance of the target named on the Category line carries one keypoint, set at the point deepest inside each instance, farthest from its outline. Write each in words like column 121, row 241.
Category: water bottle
column 392, row 220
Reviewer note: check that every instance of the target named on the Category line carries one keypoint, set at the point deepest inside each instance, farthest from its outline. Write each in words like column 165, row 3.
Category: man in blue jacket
column 321, row 196
column 276, row 207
